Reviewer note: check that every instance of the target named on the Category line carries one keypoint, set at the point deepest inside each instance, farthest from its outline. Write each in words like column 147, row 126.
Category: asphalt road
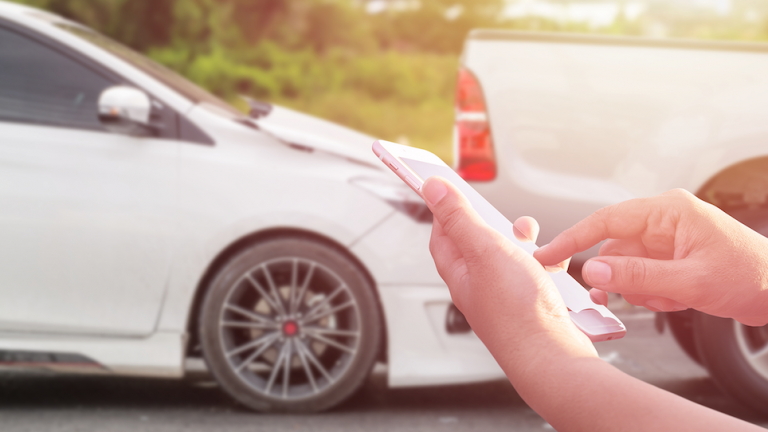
column 39, row 402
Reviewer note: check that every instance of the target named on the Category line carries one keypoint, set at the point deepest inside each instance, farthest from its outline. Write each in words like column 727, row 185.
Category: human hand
column 669, row 253
column 506, row 295
column 515, row 309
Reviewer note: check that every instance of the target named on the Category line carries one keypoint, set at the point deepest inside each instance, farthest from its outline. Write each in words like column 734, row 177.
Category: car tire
column 681, row 327
column 290, row 325
column 736, row 357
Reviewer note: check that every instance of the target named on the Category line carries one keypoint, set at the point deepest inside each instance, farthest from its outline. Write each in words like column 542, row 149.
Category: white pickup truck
column 557, row 126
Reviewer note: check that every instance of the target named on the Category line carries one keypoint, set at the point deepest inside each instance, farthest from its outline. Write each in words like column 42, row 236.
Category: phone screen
column 488, row 212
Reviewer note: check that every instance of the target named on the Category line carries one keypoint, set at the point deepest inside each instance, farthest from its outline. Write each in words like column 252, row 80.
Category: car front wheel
column 290, row 324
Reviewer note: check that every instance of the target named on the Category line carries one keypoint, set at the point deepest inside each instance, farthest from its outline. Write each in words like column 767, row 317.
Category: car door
column 86, row 216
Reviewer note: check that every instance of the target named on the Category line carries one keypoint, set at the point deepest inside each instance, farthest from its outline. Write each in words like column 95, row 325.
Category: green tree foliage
column 436, row 26
column 390, row 73
column 140, row 24
column 279, row 48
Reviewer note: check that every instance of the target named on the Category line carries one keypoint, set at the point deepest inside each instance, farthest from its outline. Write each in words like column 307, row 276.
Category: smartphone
column 414, row 165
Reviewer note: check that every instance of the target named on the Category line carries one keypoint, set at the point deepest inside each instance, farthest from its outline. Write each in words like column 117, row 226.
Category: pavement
column 58, row 403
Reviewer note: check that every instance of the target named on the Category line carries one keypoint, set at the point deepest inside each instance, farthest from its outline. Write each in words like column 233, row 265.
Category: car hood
column 305, row 130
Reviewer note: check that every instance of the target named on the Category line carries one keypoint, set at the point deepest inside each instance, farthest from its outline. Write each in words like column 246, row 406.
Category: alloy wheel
column 289, row 328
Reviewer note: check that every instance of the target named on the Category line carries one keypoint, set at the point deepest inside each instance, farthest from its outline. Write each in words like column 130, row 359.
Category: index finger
column 619, row 221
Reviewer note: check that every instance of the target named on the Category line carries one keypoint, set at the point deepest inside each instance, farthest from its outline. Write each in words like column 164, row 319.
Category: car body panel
column 269, row 186
column 421, row 351
column 88, row 229
column 292, row 126
column 415, row 301
column 158, row 355
column 396, row 252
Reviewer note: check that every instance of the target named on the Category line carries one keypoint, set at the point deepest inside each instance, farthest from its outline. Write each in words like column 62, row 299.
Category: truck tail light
column 473, row 145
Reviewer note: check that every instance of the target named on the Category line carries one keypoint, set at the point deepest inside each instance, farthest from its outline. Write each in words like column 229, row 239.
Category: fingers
column 559, row 266
column 441, row 246
column 598, row 296
column 655, row 303
column 663, row 304
column 620, row 221
column 457, row 219
column 526, row 229
column 448, row 259
column 643, row 276
column 629, row 247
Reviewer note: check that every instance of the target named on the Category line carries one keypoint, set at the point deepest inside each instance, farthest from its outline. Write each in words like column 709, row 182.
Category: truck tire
column 736, row 357
column 681, row 326
column 290, row 325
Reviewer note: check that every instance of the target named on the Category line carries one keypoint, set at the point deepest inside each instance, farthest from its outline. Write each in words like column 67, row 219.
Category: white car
column 144, row 222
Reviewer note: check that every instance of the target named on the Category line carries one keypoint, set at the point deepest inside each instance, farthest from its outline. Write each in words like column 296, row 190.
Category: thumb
column 459, row 221
column 633, row 275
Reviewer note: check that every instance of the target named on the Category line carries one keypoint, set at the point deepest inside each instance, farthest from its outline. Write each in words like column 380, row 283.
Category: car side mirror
column 126, row 110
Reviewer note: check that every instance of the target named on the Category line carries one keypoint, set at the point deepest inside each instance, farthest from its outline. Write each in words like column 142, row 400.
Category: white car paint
column 88, row 226
column 107, row 238
column 421, row 352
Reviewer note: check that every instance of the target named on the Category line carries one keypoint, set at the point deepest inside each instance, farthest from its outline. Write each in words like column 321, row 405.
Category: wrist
column 553, row 372
column 530, row 352
column 751, row 303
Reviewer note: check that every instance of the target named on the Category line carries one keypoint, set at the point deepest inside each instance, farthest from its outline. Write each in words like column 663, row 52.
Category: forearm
column 583, row 393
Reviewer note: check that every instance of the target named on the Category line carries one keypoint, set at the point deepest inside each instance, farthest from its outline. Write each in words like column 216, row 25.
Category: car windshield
column 157, row 71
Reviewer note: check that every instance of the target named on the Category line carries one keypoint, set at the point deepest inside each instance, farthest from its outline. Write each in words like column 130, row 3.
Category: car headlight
column 398, row 195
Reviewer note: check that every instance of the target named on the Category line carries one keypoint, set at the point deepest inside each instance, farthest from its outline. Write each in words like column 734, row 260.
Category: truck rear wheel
column 681, row 326
column 736, row 357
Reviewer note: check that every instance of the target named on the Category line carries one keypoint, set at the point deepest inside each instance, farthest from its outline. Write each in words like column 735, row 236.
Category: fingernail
column 598, row 296
column 434, row 190
column 665, row 306
column 655, row 305
column 597, row 273
column 553, row 269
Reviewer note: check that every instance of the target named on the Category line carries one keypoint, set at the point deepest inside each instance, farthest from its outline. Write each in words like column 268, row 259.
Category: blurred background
column 393, row 61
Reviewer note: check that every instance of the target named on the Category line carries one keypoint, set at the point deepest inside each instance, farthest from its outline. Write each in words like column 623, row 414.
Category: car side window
column 40, row 85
